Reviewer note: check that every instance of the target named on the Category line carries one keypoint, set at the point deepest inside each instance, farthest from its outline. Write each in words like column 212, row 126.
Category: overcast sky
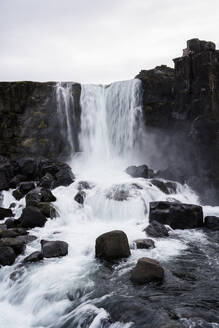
column 98, row 41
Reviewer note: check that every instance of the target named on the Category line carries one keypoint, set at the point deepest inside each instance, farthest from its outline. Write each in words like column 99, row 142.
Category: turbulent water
column 79, row 291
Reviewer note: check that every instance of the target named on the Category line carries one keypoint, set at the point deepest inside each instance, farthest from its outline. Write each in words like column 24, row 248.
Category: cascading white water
column 63, row 292
column 110, row 117
column 65, row 104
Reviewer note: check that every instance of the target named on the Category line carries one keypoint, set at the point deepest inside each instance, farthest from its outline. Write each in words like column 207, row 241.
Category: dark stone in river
column 5, row 213
column 138, row 171
column 168, row 187
column 177, row 216
column 15, row 243
column 55, row 248
column 7, row 255
column 33, row 257
column 156, row 230
column 31, row 217
column 80, row 197
column 17, row 194
column 25, row 187
column 38, row 195
column 147, row 270
column 144, row 243
column 212, row 222
column 112, row 245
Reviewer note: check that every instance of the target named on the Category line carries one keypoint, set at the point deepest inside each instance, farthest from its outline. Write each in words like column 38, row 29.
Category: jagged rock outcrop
column 181, row 107
column 29, row 123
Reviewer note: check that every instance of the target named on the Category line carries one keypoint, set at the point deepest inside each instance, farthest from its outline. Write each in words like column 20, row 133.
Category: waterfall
column 110, row 117
column 65, row 109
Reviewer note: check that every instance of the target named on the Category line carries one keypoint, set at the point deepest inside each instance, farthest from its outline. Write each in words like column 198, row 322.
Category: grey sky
column 98, row 41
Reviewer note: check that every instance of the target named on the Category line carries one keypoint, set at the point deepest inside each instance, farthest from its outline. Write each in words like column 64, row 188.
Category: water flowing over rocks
column 112, row 245
column 34, row 257
column 177, row 216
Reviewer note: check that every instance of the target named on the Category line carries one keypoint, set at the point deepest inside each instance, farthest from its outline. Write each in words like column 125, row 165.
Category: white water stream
column 58, row 292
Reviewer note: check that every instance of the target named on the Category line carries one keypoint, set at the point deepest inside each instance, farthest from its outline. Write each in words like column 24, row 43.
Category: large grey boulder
column 147, row 270
column 55, row 248
column 31, row 217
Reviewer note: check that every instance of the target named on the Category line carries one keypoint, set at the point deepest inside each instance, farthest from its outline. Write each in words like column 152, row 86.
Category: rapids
column 79, row 291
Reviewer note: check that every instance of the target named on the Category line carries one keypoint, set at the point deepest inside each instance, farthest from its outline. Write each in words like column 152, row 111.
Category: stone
column 17, row 245
column 34, row 196
column 33, row 257
column 167, row 187
column 177, row 216
column 80, row 197
column 156, row 230
column 7, row 255
column 212, row 222
column 47, row 195
column 17, row 194
column 84, row 185
column 137, row 171
column 15, row 181
column 144, row 243
column 5, row 213
column 47, row 209
column 112, row 245
column 47, row 181
column 13, row 232
column 147, row 270
column 31, row 217
column 10, row 223
column 25, row 187
column 55, row 248
column 64, row 177
column 28, row 167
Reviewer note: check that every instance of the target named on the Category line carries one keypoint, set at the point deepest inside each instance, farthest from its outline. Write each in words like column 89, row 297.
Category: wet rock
column 177, row 216
column 54, row 248
column 166, row 187
column 84, row 185
column 25, row 187
column 15, row 181
column 5, row 213
column 27, row 239
column 7, row 255
column 64, row 177
column 47, row 181
column 147, row 270
column 212, row 222
column 112, row 245
column 156, row 230
column 17, row 245
column 137, row 171
column 17, row 194
column 47, row 209
column 39, row 195
column 80, row 197
column 144, row 243
column 10, row 223
column 34, row 257
column 31, row 217
column 12, row 232
column 12, row 205
column 47, row 195
column 28, row 167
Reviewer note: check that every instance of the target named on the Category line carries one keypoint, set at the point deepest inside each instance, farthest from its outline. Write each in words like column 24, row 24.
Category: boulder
column 80, row 197
column 54, row 248
column 138, row 171
column 38, row 195
column 156, row 230
column 34, row 257
column 144, row 243
column 212, row 222
column 147, row 270
column 47, row 181
column 15, row 181
column 13, row 232
column 27, row 239
column 7, row 255
column 28, row 167
column 47, row 195
column 17, row 245
column 5, row 213
column 17, row 194
column 64, row 176
column 177, row 216
column 47, row 209
column 25, row 187
column 10, row 223
column 31, row 217
column 168, row 187
column 112, row 245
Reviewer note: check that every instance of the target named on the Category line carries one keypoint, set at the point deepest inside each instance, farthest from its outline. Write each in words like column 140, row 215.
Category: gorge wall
column 180, row 108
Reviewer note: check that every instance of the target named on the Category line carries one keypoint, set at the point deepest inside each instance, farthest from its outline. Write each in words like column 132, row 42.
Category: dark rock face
column 144, row 243
column 31, row 217
column 112, row 245
column 54, row 248
column 177, row 216
column 5, row 213
column 7, row 255
column 212, row 222
column 34, row 257
column 80, row 197
column 180, row 108
column 156, row 230
column 30, row 124
column 147, row 270
column 138, row 171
